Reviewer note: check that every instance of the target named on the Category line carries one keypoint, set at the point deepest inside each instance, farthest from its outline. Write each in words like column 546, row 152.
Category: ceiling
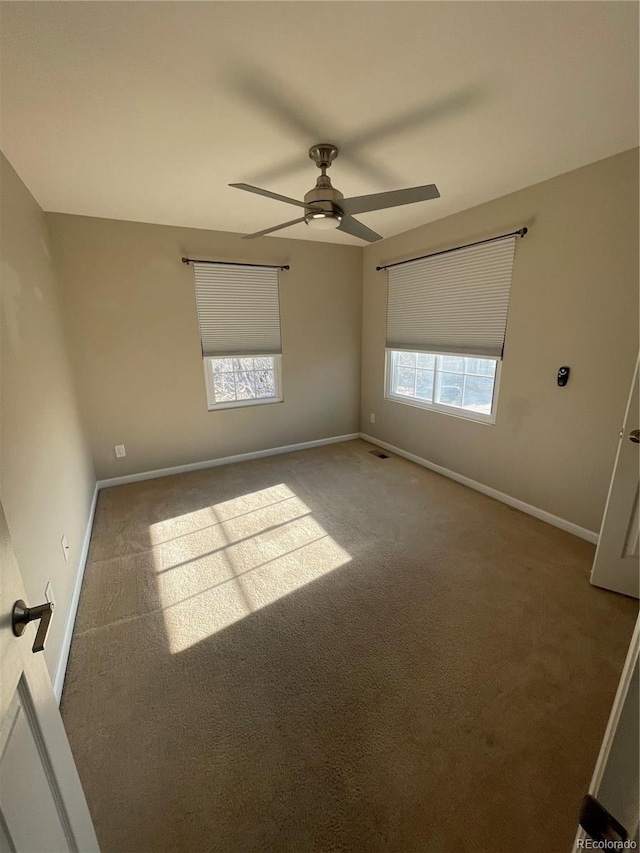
column 146, row 111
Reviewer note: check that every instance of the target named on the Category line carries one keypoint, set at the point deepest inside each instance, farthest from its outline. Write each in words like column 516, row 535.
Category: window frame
column 443, row 408
column 212, row 406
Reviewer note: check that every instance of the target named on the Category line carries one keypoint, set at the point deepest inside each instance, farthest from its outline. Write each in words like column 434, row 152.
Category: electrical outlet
column 120, row 451
column 372, row 417
column 48, row 594
column 65, row 546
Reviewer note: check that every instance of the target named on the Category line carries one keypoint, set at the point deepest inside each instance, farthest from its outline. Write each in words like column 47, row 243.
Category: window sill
column 451, row 411
column 244, row 404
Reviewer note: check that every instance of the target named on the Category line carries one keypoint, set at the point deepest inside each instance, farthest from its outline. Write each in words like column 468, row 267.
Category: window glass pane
column 222, row 365
column 478, row 393
column 480, row 366
column 468, row 384
column 224, row 387
column 265, row 383
column 404, row 381
column 245, row 363
column 449, row 391
column 245, row 385
column 243, row 378
column 424, row 384
column 451, row 362
column 426, row 361
column 406, row 359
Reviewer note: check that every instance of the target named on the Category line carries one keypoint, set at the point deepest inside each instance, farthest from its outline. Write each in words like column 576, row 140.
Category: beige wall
column 574, row 301
column 130, row 307
column 46, row 474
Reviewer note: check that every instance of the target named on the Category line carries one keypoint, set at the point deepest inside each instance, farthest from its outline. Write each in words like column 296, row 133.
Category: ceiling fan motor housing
column 324, row 198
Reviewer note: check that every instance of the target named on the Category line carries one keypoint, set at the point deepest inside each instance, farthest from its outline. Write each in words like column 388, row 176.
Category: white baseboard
column 223, row 460
column 543, row 515
column 63, row 659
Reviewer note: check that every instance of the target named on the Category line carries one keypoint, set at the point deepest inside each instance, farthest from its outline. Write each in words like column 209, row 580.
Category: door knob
column 634, row 436
column 22, row 615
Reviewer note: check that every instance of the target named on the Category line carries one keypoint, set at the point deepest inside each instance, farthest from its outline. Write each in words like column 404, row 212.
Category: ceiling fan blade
column 394, row 198
column 269, row 194
column 275, row 228
column 351, row 226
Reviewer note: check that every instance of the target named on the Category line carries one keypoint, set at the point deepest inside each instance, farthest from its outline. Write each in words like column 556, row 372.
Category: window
column 453, row 384
column 239, row 321
column 244, row 381
column 446, row 326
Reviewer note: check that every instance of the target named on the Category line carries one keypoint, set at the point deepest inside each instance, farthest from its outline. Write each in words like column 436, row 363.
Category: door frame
column 612, row 726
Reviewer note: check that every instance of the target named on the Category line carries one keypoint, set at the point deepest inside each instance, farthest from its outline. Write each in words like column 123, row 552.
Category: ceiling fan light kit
column 323, row 221
column 326, row 208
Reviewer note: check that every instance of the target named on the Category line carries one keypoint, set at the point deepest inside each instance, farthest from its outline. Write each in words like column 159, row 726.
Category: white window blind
column 238, row 309
column 452, row 303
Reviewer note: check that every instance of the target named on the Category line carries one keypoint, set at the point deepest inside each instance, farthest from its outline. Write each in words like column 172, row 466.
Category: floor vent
column 379, row 454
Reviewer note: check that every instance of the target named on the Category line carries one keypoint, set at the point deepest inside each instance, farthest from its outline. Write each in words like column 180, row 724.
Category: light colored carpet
column 325, row 652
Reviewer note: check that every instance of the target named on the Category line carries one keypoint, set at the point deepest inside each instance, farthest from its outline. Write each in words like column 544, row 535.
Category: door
column 616, row 562
column 616, row 778
column 42, row 806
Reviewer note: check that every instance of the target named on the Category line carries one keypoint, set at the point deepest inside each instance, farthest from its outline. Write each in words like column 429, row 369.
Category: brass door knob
column 634, row 436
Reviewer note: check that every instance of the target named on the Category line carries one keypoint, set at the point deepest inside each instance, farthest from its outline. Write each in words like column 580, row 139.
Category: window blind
column 452, row 303
column 238, row 309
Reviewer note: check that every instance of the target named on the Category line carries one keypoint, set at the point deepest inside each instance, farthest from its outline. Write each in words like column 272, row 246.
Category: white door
column 616, row 562
column 42, row 806
column 616, row 778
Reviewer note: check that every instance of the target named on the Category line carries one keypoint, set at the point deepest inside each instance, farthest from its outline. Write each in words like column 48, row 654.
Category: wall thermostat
column 563, row 376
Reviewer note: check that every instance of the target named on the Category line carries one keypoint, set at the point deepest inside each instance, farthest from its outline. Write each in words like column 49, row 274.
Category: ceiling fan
column 326, row 208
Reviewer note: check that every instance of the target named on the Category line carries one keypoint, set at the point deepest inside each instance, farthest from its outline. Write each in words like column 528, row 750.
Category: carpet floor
column 325, row 652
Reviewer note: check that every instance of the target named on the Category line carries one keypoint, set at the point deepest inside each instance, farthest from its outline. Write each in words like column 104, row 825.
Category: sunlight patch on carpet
column 224, row 562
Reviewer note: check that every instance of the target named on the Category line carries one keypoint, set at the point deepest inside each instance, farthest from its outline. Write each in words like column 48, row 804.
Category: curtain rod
column 520, row 231
column 235, row 264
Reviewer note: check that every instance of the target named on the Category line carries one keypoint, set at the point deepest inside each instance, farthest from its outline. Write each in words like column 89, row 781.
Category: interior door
column 42, row 805
column 615, row 565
